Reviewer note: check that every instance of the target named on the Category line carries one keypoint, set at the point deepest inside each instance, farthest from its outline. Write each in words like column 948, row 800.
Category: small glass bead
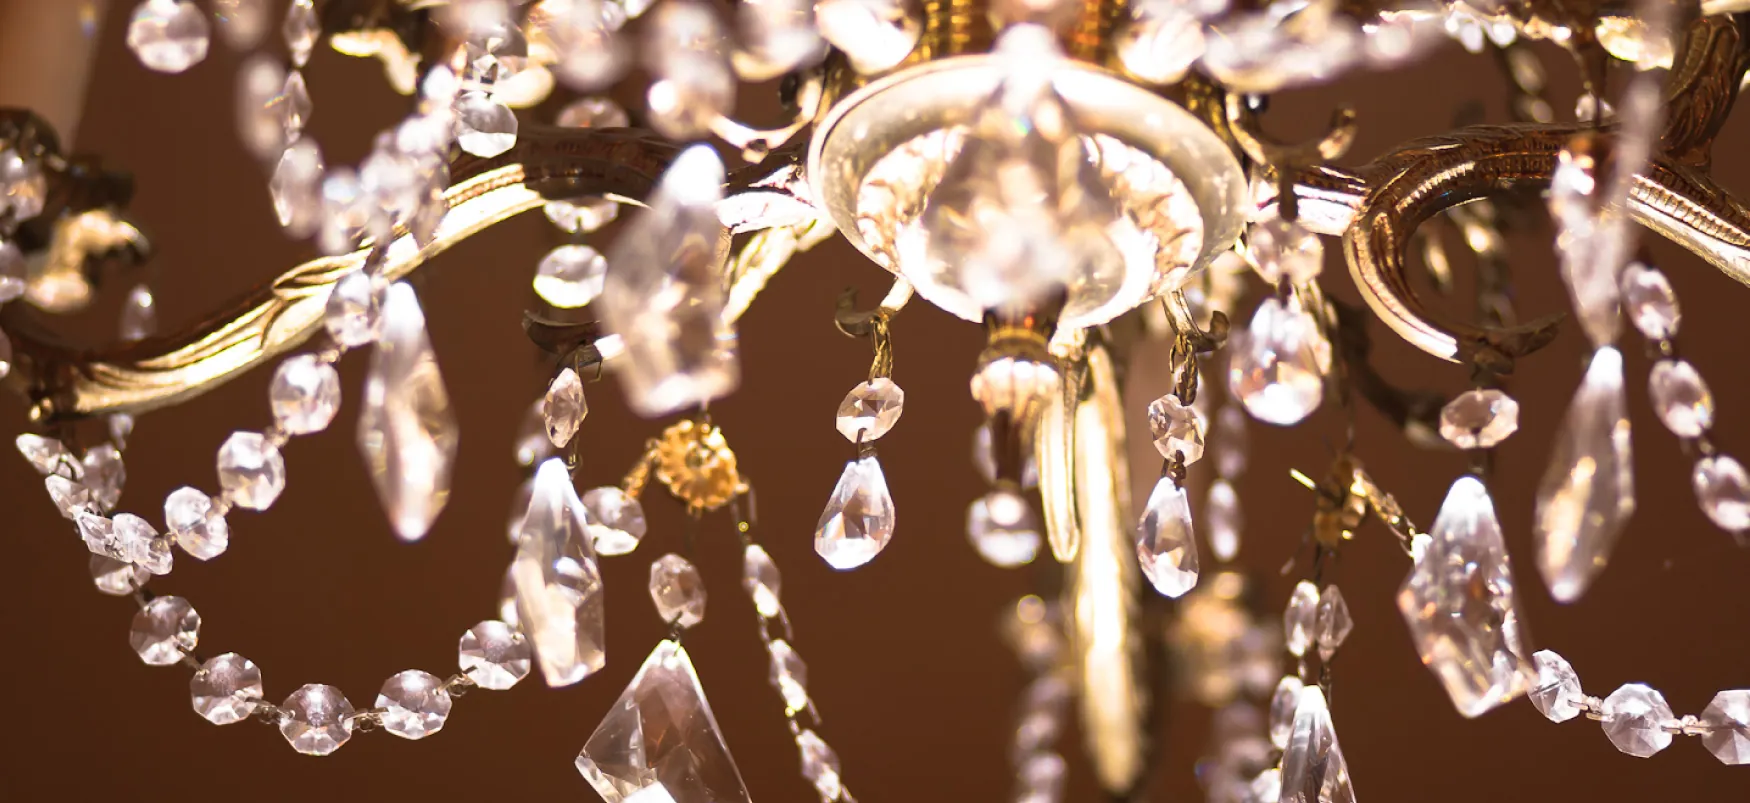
column 1282, row 704
column 165, row 630
column 677, row 590
column 493, row 655
column 226, row 689
column 414, row 704
column 1479, row 419
column 564, row 408
column 820, row 765
column 1176, row 428
column 616, row 520
column 169, row 36
column 1557, row 694
column 759, row 576
column 1281, row 249
column 72, row 498
column 870, row 410
column 251, row 470
column 354, row 315
column 117, row 578
column 141, row 544
column 1723, row 489
column 1681, row 398
column 1727, row 720
column 48, row 456
column 305, row 394
column 790, row 676
column 1003, row 528
column 570, row 276
column 105, row 475
column 1648, row 300
column 317, row 719
column 1300, row 618
column 188, row 513
column 1333, row 622
column 1634, row 719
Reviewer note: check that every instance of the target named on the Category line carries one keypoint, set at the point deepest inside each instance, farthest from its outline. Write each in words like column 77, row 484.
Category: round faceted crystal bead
column 251, row 470
column 820, row 765
column 759, row 577
column 1557, row 694
column 1723, row 489
column 789, row 675
column 1479, row 419
column 117, row 578
column 414, row 704
column 1281, row 249
column 1681, row 398
column 870, row 410
column 169, row 36
column 1634, row 718
column 1649, row 302
column 188, row 514
column 1176, row 428
column 317, row 719
column 1727, row 720
column 484, row 127
column 305, row 394
column 616, row 520
column 570, row 276
column 493, row 655
column 1003, row 528
column 226, row 689
column 354, row 313
column 678, row 590
column 165, row 630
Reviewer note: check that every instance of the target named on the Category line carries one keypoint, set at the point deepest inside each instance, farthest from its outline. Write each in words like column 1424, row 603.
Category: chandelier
column 1086, row 180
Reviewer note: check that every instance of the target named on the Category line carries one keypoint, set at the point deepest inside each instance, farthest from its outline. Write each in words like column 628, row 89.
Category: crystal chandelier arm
column 64, row 381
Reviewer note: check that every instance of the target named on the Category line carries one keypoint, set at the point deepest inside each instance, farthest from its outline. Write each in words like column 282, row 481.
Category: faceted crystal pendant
column 414, row 704
column 570, row 276
column 1727, row 719
column 493, row 655
column 1165, row 543
column 407, row 431
column 305, row 394
column 1225, row 521
column 1723, row 489
column 1333, row 624
column 1280, row 249
column 1557, row 694
column 677, row 590
column 789, row 676
column 1587, row 494
column 226, row 689
column 1177, row 429
column 870, row 410
column 615, row 520
column 165, row 630
column 169, row 36
column 559, row 585
column 1283, row 702
column 1313, row 769
column 1479, row 419
column 1649, row 302
column 664, row 292
column 759, row 577
column 564, row 408
column 1681, row 398
column 1278, row 368
column 660, row 742
column 1003, row 529
column 484, row 126
column 188, row 515
column 1300, row 618
column 317, row 720
column 859, row 516
column 251, row 470
column 1634, row 719
column 1460, row 604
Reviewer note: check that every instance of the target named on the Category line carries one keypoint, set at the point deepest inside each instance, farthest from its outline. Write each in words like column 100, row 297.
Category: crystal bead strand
column 789, row 675
column 1637, row 719
column 1034, row 633
column 1166, row 545
column 859, row 517
column 1683, row 402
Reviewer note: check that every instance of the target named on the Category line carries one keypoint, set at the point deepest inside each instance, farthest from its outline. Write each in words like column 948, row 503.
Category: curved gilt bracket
column 65, row 382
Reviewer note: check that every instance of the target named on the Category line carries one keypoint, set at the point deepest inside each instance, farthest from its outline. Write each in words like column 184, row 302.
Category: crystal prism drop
column 1313, row 769
column 1557, row 694
column 296, row 190
column 1587, row 493
column 664, row 292
column 564, row 407
column 300, row 30
column 1165, row 543
column 859, row 516
column 1278, row 368
column 660, row 742
column 1461, row 607
column 677, row 590
column 559, row 585
column 407, row 431
column 169, row 36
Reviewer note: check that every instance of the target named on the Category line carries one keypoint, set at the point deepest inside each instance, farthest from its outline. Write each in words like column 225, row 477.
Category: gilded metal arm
column 546, row 163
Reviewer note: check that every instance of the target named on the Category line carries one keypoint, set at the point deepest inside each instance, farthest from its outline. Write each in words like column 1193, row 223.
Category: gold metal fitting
column 694, row 460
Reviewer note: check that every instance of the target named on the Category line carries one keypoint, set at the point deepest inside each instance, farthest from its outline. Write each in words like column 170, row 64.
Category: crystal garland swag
column 1023, row 194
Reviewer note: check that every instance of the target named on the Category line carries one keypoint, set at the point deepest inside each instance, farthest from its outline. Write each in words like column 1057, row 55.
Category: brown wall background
column 915, row 686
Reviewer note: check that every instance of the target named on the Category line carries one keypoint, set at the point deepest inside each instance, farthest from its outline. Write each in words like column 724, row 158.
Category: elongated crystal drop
column 407, row 431
column 659, row 743
column 1165, row 545
column 1588, row 491
column 558, row 584
column 1461, row 606
column 1313, row 769
column 664, row 295
column 1278, row 368
column 858, row 520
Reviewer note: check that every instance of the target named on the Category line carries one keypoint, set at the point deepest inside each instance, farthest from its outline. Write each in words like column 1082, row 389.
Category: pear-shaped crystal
column 1165, row 544
column 664, row 292
column 859, row 517
column 1587, row 493
column 559, row 585
column 48, row 456
column 659, row 743
column 1313, row 769
column 564, row 407
column 1278, row 368
column 1461, row 607
column 407, row 431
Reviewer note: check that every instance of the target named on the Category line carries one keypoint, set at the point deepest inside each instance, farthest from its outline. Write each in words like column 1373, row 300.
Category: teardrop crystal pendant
column 1165, row 544
column 407, row 431
column 664, row 294
column 1313, row 769
column 1588, row 491
column 558, row 584
column 1461, row 607
column 660, row 742
column 1278, row 369
column 858, row 520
